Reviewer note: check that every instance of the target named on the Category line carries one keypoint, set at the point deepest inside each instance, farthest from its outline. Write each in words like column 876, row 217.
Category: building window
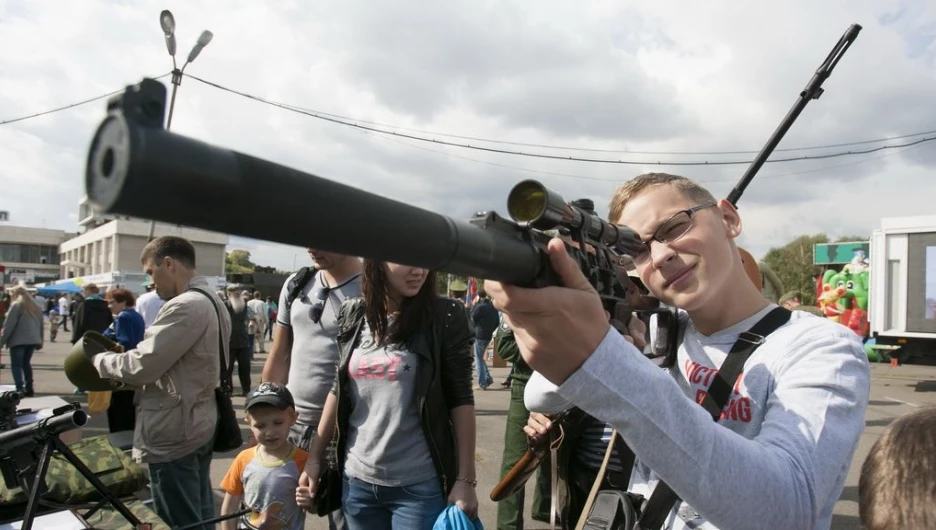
column 49, row 253
column 26, row 253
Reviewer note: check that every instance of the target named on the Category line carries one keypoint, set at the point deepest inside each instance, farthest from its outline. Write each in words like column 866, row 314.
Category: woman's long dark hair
column 415, row 311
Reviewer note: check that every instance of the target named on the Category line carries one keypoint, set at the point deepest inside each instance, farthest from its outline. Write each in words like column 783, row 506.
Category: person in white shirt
column 149, row 303
column 63, row 310
column 261, row 320
column 781, row 450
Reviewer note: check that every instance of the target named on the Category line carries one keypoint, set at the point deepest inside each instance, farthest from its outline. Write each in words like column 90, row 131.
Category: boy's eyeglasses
column 670, row 230
column 318, row 308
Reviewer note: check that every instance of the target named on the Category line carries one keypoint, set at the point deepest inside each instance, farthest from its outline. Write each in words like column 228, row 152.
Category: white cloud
column 645, row 75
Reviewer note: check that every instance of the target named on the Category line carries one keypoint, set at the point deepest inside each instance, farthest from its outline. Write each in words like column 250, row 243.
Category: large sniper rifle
column 137, row 168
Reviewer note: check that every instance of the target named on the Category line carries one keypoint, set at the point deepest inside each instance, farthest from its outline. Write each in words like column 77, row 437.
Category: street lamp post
column 167, row 22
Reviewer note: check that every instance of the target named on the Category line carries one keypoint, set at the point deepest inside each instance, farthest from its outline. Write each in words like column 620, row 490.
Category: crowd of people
column 365, row 407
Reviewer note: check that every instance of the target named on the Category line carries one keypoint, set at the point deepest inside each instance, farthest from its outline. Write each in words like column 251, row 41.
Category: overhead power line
column 598, row 150
column 369, row 128
column 342, row 118
column 357, row 123
column 69, row 106
column 618, row 179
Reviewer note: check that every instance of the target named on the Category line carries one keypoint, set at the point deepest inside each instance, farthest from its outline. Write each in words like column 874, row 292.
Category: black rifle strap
column 227, row 384
column 663, row 498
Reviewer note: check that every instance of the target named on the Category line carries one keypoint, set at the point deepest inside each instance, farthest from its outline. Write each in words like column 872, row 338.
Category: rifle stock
column 537, row 448
column 518, row 475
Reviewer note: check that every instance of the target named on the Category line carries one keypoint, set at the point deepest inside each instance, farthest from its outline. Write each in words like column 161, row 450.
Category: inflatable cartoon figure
column 857, row 314
column 833, row 301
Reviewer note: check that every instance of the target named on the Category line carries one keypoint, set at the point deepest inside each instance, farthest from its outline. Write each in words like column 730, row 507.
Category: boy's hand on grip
column 634, row 330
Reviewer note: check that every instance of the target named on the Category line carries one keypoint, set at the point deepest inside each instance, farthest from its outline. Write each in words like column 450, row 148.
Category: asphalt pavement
column 895, row 391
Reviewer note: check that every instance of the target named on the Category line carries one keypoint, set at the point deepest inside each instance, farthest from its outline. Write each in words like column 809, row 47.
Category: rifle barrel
column 137, row 168
column 812, row 91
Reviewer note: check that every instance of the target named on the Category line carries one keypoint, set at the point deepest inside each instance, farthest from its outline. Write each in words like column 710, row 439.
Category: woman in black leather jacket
column 402, row 407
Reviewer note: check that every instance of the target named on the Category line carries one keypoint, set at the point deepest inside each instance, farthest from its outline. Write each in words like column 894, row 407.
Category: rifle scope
column 533, row 204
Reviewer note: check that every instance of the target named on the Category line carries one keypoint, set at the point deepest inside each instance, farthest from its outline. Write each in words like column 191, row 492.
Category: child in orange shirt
column 264, row 478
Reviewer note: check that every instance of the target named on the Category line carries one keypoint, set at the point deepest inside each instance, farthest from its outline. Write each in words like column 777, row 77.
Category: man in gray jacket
column 177, row 366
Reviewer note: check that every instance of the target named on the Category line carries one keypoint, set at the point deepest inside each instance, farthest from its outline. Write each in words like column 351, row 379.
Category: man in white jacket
column 779, row 456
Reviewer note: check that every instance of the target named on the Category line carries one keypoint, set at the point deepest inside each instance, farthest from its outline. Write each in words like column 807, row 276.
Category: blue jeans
column 21, row 365
column 181, row 489
column 484, row 377
column 370, row 507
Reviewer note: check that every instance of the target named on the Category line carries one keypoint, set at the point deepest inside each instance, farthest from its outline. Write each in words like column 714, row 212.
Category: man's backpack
column 613, row 510
column 303, row 277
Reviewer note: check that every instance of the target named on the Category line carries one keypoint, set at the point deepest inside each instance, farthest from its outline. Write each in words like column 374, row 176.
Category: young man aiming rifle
column 780, row 453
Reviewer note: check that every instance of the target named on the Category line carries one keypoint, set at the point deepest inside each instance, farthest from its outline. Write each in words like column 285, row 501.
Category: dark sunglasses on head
column 321, row 297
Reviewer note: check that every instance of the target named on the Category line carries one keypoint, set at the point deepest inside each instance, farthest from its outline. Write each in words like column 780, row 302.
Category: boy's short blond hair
column 641, row 183
column 897, row 487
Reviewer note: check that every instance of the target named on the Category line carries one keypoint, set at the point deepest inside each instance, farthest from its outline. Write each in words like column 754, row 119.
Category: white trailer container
column 902, row 292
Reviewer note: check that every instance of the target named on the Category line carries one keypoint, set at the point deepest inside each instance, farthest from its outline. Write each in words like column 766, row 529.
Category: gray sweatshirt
column 22, row 329
column 779, row 456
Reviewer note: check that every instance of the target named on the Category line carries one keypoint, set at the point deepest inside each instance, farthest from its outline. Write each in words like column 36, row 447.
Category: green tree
column 845, row 239
column 793, row 263
column 238, row 262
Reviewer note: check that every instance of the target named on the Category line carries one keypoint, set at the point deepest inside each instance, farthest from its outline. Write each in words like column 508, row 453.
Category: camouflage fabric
column 110, row 519
column 65, row 485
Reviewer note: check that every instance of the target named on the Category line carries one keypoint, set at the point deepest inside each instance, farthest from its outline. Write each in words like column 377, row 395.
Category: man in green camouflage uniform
column 510, row 510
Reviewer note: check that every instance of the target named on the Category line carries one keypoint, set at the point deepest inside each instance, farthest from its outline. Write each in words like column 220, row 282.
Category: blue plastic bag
column 452, row 518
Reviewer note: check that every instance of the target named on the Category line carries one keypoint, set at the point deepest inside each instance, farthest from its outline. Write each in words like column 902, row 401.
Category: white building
column 108, row 252
column 30, row 255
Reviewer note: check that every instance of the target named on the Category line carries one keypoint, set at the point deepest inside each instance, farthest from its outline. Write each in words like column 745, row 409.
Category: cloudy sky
column 643, row 81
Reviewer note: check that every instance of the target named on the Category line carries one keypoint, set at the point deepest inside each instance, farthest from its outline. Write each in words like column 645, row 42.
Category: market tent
column 62, row 287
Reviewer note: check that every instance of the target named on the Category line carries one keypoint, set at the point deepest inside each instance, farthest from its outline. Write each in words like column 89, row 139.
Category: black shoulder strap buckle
column 751, row 338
